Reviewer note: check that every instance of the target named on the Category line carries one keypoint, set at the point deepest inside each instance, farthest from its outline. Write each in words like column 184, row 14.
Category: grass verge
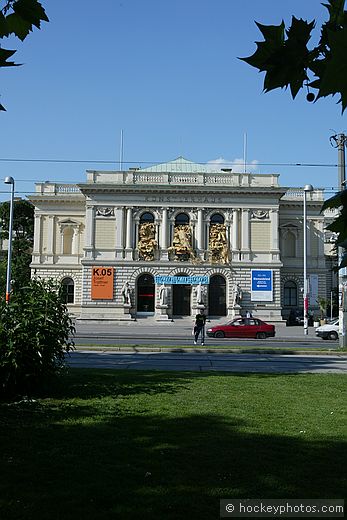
column 268, row 349
column 116, row 444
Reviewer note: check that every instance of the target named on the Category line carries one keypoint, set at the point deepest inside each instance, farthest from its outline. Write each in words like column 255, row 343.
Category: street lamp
column 307, row 188
column 9, row 180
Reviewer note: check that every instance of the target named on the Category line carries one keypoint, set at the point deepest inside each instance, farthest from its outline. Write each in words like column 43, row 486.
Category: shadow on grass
column 68, row 459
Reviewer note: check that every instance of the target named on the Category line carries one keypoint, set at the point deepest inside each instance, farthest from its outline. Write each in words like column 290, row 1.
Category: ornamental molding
column 104, row 211
column 259, row 214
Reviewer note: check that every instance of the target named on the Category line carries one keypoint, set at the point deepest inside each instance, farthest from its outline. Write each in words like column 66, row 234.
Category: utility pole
column 339, row 141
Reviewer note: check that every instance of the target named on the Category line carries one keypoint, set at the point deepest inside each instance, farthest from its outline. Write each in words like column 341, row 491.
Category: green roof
column 181, row 165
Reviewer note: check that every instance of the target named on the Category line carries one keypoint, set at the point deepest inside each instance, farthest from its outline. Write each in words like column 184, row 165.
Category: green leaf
column 284, row 60
column 3, row 26
column 18, row 26
column 334, row 78
column 336, row 201
column 4, row 55
column 274, row 39
column 30, row 11
column 336, row 12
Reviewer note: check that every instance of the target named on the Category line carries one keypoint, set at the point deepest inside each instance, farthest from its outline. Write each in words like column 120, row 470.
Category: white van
column 329, row 331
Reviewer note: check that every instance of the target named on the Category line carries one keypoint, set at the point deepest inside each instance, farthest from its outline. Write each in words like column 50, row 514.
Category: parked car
column 242, row 328
column 296, row 317
column 328, row 331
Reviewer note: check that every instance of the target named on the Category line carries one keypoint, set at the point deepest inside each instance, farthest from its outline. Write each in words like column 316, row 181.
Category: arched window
column 290, row 294
column 67, row 240
column 146, row 217
column 146, row 236
column 68, row 290
column 217, row 218
column 289, row 245
column 181, row 219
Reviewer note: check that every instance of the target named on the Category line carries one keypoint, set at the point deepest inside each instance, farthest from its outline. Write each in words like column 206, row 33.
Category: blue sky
column 166, row 73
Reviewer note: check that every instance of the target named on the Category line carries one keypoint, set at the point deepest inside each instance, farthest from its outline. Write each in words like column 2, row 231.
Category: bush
column 35, row 334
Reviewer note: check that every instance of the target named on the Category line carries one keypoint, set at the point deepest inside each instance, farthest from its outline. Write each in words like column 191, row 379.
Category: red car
column 243, row 328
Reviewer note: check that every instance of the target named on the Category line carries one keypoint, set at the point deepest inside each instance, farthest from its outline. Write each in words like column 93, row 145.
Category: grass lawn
column 106, row 444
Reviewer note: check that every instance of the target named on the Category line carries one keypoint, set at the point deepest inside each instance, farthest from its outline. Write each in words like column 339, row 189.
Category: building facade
column 167, row 240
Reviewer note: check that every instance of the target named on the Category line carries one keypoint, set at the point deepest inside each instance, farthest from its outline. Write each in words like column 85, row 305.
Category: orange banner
column 102, row 283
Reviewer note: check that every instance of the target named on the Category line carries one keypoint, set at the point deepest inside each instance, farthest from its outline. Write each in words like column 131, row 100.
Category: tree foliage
column 287, row 60
column 22, row 241
column 35, row 335
column 17, row 18
column 339, row 225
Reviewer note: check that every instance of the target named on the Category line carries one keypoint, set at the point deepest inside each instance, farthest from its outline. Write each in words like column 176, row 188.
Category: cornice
column 88, row 189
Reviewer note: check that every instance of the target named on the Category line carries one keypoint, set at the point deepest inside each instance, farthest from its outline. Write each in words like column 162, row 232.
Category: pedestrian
column 199, row 328
column 249, row 314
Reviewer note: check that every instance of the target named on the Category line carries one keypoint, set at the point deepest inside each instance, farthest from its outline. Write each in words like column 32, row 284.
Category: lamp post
column 307, row 188
column 9, row 180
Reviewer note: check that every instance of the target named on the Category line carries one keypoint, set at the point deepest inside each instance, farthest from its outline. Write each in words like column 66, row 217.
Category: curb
column 179, row 350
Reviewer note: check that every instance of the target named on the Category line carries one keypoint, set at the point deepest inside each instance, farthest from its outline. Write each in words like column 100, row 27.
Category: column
column 228, row 233
column 274, row 234
column 37, row 235
column 89, row 233
column 321, row 257
column 129, row 236
column 119, row 212
column 200, row 231
column 164, row 235
column 245, row 235
column 308, row 238
column 235, row 236
column 50, row 239
column 75, row 241
column 164, row 229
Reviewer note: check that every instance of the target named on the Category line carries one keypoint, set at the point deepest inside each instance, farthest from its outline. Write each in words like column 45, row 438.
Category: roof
column 181, row 165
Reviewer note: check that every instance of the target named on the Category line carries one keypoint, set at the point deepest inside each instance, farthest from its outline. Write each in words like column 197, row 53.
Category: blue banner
column 261, row 285
column 190, row 280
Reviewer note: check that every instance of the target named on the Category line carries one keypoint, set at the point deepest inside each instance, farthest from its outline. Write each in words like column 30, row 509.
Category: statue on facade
column 163, row 295
column 126, row 294
column 199, row 293
column 237, row 295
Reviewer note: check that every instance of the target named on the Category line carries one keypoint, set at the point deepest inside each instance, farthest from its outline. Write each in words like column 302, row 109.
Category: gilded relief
column 182, row 243
column 218, row 244
column 147, row 243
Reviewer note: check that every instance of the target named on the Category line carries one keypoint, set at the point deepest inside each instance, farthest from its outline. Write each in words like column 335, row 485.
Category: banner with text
column 102, row 283
column 189, row 280
column 261, row 285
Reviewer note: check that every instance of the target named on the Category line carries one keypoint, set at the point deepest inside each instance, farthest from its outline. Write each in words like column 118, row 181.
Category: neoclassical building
column 167, row 240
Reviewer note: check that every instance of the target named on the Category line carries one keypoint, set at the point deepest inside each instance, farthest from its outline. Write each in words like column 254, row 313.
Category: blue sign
column 261, row 285
column 181, row 280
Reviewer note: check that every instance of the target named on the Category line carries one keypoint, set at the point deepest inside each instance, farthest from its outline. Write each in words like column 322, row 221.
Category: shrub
column 35, row 334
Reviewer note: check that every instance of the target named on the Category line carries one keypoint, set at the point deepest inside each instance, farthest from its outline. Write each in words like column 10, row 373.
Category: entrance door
column 181, row 300
column 217, row 296
column 145, row 294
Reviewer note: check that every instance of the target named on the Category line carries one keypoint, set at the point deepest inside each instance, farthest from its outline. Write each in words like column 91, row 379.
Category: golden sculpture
column 182, row 243
column 147, row 243
column 218, row 244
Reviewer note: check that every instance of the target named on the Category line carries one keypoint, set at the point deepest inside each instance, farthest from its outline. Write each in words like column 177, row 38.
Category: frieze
column 259, row 214
column 182, row 198
column 104, row 212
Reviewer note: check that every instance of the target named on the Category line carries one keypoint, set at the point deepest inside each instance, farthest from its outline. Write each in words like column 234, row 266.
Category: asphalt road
column 207, row 361
column 178, row 334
